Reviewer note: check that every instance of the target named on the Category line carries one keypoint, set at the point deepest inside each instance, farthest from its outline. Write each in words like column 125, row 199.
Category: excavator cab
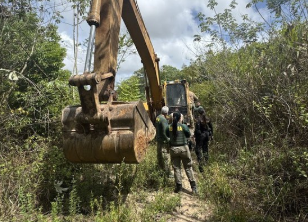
column 101, row 129
column 176, row 95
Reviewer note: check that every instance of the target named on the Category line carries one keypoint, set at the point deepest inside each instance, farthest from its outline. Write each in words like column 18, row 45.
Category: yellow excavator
column 101, row 129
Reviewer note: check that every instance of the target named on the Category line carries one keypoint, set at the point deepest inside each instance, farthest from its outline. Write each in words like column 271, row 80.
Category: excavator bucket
column 122, row 136
column 101, row 130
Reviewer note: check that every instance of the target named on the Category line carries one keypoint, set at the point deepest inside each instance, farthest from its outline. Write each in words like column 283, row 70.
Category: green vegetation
column 257, row 97
column 252, row 79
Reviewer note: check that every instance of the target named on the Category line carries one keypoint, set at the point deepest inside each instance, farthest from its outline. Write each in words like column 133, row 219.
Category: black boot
column 201, row 168
column 178, row 188
column 193, row 187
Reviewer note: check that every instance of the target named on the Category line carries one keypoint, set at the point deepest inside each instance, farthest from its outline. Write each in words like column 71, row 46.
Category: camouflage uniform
column 179, row 152
column 196, row 112
column 203, row 132
column 163, row 156
column 192, row 99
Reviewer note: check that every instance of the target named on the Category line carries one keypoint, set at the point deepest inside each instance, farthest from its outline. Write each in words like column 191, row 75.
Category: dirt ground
column 192, row 208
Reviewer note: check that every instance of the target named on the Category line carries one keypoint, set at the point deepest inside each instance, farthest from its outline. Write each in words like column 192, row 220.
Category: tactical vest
column 180, row 139
column 161, row 121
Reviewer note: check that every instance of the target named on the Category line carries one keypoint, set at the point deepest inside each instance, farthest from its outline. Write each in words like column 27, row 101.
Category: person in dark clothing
column 179, row 152
column 203, row 133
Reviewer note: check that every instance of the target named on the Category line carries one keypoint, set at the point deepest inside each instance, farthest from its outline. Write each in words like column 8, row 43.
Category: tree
column 129, row 89
column 126, row 48
column 32, row 52
column 168, row 73
column 259, row 85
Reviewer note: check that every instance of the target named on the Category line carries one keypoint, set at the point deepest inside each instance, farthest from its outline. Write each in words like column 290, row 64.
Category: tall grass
column 262, row 183
column 38, row 184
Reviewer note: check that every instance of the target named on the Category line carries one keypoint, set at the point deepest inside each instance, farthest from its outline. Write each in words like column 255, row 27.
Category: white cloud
column 171, row 25
column 68, row 43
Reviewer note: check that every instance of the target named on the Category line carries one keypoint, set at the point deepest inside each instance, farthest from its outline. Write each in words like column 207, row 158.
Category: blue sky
column 171, row 25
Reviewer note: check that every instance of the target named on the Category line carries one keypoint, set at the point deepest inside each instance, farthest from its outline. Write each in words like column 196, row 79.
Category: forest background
column 251, row 77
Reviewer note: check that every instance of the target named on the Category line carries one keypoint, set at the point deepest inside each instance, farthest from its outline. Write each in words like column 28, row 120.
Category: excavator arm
column 102, row 130
column 138, row 32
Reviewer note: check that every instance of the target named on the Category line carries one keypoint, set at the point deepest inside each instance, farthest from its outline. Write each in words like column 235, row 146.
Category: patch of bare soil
column 191, row 208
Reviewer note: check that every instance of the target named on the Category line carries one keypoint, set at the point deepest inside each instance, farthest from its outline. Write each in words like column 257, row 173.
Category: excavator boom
column 138, row 32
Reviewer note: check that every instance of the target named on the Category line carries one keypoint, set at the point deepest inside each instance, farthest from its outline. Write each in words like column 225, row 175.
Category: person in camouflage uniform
column 203, row 133
column 197, row 107
column 179, row 152
column 192, row 100
column 163, row 155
